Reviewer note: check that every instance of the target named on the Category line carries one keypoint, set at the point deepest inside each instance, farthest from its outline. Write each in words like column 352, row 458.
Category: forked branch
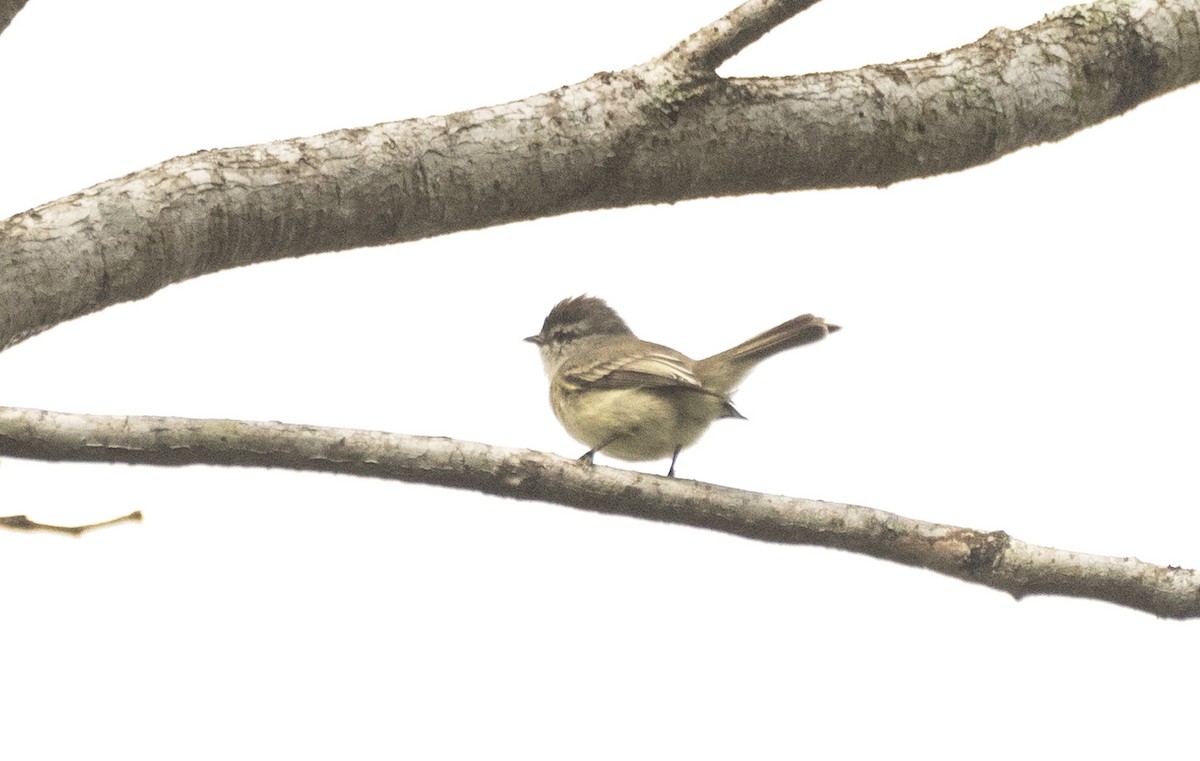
column 708, row 48
column 661, row 132
column 664, row 131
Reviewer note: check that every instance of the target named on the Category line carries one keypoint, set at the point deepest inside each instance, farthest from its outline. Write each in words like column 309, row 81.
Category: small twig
column 716, row 43
column 23, row 523
column 9, row 9
column 990, row 558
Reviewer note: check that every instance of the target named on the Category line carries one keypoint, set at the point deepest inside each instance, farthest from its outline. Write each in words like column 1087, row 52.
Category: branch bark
column 667, row 130
column 8, row 11
column 708, row 48
column 990, row 558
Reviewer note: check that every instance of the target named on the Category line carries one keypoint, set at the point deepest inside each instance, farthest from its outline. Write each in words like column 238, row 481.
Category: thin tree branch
column 23, row 523
column 729, row 35
column 8, row 10
column 990, row 558
column 617, row 139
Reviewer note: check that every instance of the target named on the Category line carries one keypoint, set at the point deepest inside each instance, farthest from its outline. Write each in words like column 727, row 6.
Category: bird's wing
column 651, row 369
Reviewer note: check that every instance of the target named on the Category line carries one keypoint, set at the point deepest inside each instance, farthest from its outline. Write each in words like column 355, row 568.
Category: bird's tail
column 725, row 370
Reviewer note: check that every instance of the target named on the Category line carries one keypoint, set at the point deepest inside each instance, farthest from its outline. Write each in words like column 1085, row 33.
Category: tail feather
column 723, row 371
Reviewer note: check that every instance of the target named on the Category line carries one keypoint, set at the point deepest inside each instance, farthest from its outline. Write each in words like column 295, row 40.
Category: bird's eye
column 564, row 335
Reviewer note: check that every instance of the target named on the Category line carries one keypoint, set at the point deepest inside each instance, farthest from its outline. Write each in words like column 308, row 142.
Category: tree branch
column 992, row 559
column 617, row 139
column 721, row 40
column 23, row 523
column 8, row 10
column 664, row 131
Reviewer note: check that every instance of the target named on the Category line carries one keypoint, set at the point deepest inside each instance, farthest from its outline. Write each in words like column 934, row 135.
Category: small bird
column 636, row 400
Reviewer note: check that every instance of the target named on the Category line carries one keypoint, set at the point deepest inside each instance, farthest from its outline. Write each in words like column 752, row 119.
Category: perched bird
column 636, row 400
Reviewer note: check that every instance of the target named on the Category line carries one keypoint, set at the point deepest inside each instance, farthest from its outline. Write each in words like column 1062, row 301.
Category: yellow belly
column 638, row 424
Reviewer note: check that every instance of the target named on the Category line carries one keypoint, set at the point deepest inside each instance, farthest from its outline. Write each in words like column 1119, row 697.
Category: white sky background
column 1018, row 354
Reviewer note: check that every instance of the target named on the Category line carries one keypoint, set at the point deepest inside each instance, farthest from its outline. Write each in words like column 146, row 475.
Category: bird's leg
column 590, row 455
column 674, row 457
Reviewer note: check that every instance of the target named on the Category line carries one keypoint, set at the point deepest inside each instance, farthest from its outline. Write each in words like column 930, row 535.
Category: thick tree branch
column 993, row 558
column 631, row 137
column 664, row 131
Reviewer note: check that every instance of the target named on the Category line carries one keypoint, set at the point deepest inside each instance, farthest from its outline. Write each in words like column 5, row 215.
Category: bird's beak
column 534, row 340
